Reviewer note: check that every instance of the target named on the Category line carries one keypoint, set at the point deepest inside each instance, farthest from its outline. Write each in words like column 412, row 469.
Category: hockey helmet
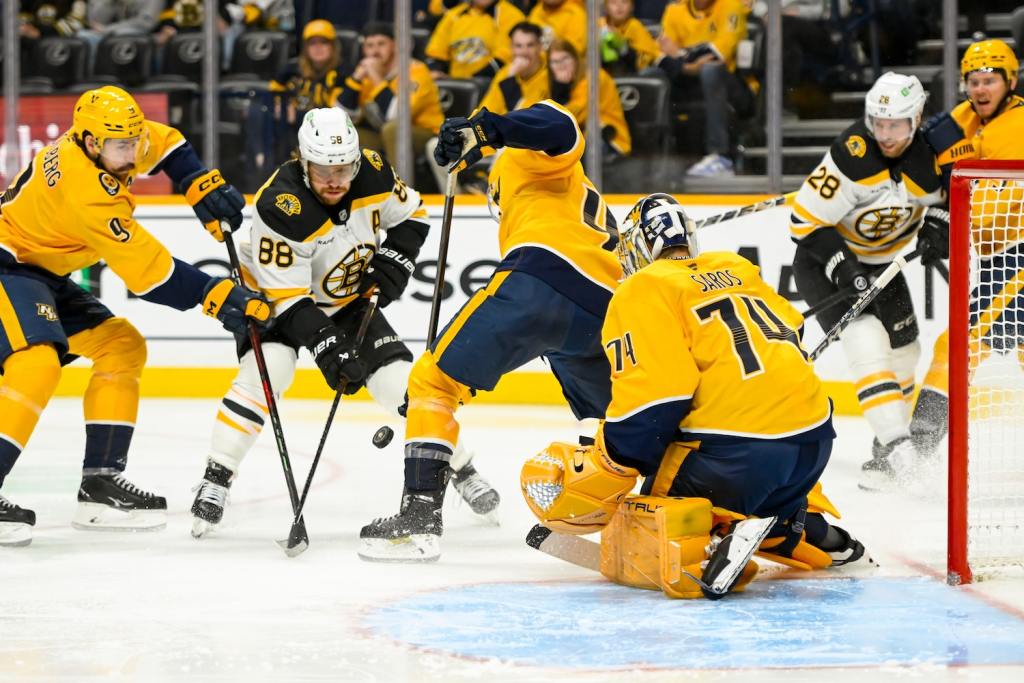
column 895, row 96
column 319, row 28
column 107, row 113
column 328, row 138
column 990, row 55
column 655, row 223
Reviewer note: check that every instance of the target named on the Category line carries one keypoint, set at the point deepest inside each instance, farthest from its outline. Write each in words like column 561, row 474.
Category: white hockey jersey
column 299, row 249
column 874, row 202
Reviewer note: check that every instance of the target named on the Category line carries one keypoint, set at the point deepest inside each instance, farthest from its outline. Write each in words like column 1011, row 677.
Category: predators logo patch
column 46, row 311
column 110, row 184
column 856, row 146
column 373, row 158
column 289, row 204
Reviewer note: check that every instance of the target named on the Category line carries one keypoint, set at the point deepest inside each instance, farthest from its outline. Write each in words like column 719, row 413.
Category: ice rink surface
column 88, row 606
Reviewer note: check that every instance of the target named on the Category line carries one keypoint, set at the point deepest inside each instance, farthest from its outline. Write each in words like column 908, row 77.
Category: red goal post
column 986, row 386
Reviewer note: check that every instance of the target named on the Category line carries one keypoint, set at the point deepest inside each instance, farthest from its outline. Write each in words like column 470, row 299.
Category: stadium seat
column 125, row 60
column 645, row 104
column 258, row 55
column 60, row 60
column 183, row 58
column 351, row 45
column 420, row 38
column 458, row 97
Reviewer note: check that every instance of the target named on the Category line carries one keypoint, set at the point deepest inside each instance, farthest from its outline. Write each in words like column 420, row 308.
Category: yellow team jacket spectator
column 523, row 82
column 570, row 88
column 561, row 19
column 626, row 44
column 369, row 95
column 313, row 81
column 688, row 23
column 472, row 39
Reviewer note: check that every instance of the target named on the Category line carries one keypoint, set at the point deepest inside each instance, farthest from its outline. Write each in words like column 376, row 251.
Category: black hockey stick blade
column 572, row 549
column 297, row 540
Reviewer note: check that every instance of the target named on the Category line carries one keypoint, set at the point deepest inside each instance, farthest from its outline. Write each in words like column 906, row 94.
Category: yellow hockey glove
column 234, row 306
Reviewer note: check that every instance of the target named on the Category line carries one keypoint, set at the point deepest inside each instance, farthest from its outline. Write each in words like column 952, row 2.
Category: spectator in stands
column 627, row 47
column 310, row 82
column 123, row 17
column 263, row 15
column 471, row 39
column 807, row 48
column 369, row 95
column 1017, row 29
column 42, row 18
column 523, row 82
column 699, row 39
column 565, row 19
column 570, row 88
column 186, row 16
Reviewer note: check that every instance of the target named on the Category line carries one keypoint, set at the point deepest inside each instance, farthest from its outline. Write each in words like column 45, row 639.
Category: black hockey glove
column 846, row 272
column 933, row 236
column 390, row 270
column 214, row 201
column 337, row 358
column 461, row 140
column 234, row 306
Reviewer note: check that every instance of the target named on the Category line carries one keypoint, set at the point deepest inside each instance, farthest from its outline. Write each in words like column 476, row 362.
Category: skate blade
column 97, row 517
column 15, row 534
column 747, row 537
column 201, row 528
column 416, row 548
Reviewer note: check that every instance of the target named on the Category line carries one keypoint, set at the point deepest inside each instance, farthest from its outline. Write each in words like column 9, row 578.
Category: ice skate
column 15, row 524
column 891, row 466
column 111, row 502
column 731, row 555
column 477, row 492
column 211, row 498
column 413, row 535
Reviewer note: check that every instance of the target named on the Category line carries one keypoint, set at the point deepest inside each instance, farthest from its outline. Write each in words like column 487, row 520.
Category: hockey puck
column 382, row 437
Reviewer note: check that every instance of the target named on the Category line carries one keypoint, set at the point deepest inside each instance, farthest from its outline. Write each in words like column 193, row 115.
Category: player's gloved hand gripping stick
column 297, row 542
column 268, row 391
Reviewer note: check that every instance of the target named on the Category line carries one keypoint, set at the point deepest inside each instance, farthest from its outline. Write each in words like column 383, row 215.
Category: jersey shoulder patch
column 288, row 207
column 375, row 177
column 855, row 154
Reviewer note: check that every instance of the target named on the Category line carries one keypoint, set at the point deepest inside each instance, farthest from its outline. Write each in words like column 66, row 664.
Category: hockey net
column 986, row 381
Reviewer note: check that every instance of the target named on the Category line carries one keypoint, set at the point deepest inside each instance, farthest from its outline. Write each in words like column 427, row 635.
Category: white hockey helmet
column 328, row 138
column 655, row 223
column 895, row 96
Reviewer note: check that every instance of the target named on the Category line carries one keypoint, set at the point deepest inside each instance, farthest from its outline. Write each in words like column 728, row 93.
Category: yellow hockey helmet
column 990, row 55
column 106, row 113
column 319, row 28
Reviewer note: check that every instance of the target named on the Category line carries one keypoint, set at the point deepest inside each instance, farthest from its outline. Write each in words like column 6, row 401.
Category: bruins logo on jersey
column 877, row 224
column 288, row 203
column 110, row 184
column 373, row 158
column 341, row 281
column 856, row 146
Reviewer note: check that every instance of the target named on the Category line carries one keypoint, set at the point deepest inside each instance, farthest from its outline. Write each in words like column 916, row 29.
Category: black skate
column 413, row 535
column 730, row 556
column 15, row 524
column 890, row 466
column 109, row 501
column 851, row 551
column 211, row 497
column 474, row 489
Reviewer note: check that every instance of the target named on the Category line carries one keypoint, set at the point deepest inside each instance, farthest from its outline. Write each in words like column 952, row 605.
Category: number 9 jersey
column 300, row 249
column 703, row 349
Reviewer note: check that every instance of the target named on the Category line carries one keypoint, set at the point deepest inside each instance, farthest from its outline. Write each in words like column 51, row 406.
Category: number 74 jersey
column 703, row 348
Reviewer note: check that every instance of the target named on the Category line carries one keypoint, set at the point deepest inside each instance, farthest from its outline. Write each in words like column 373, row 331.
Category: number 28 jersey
column 703, row 348
column 300, row 249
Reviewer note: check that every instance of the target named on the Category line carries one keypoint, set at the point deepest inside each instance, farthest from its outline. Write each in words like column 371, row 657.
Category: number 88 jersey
column 874, row 202
column 298, row 248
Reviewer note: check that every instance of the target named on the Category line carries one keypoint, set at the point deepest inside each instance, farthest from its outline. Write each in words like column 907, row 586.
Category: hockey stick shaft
column 733, row 214
column 268, row 391
column 442, row 257
column 842, row 295
column 865, row 299
column 364, row 324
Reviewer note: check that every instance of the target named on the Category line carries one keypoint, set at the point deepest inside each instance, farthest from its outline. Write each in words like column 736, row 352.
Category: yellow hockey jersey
column 724, row 25
column 469, row 40
column 703, row 348
column 609, row 107
column 374, row 105
column 64, row 213
column 508, row 93
column 554, row 223
column 568, row 22
column 639, row 39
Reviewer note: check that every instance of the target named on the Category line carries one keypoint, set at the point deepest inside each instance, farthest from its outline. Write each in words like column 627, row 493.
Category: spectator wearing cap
column 471, row 40
column 522, row 82
column 370, row 95
column 627, row 47
column 561, row 19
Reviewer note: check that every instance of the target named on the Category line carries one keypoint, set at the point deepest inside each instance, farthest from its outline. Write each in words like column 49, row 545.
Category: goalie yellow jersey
column 702, row 348
column 554, row 224
column 63, row 213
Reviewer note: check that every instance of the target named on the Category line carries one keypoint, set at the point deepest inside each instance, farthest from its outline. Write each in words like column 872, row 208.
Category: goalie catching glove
column 461, row 141
column 575, row 489
column 214, row 201
column 234, row 306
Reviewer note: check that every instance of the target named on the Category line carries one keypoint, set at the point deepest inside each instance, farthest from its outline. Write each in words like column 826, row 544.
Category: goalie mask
column 892, row 111
column 655, row 223
column 329, row 141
